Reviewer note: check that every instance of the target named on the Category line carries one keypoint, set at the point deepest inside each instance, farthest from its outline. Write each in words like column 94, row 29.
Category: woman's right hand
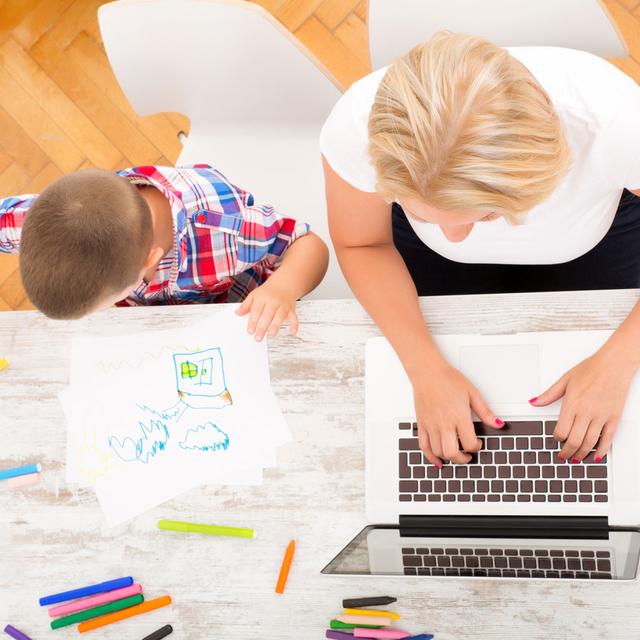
column 444, row 399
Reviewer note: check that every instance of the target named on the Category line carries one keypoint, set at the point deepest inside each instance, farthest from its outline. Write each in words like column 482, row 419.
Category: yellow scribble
column 4, row 363
column 112, row 366
column 92, row 463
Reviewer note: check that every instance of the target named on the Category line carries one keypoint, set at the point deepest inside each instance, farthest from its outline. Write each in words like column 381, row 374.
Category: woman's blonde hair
column 462, row 125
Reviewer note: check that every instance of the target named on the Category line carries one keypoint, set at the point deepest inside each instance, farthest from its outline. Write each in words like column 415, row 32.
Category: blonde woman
column 467, row 168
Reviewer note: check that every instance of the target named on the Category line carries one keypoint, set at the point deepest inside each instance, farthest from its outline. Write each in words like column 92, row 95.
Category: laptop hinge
column 573, row 527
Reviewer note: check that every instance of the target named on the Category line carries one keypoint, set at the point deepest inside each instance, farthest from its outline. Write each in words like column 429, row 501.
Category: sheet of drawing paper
column 156, row 414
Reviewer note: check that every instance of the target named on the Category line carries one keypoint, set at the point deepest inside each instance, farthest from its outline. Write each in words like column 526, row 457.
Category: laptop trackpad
column 503, row 373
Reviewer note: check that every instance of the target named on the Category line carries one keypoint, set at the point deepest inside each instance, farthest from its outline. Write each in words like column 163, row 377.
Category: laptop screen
column 381, row 550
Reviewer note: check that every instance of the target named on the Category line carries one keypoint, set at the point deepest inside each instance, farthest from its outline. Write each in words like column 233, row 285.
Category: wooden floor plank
column 96, row 65
column 8, row 264
column 294, row 13
column 73, row 20
column 68, row 73
column 13, row 179
column 43, row 179
column 38, row 124
column 11, row 13
column 42, row 16
column 628, row 25
column 11, row 290
column 347, row 67
column 80, row 129
column 15, row 141
column 352, row 32
column 332, row 12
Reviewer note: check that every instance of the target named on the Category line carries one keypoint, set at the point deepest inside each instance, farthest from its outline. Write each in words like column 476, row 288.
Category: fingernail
column 533, row 400
column 438, row 466
column 561, row 458
column 575, row 461
column 499, row 422
column 597, row 459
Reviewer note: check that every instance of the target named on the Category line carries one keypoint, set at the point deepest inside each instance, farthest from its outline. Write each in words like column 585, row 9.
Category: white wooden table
column 52, row 537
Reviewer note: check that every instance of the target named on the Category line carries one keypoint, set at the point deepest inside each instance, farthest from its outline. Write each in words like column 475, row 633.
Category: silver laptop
column 516, row 511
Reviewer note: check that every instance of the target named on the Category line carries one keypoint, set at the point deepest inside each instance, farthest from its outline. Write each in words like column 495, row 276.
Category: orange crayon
column 110, row 618
column 286, row 566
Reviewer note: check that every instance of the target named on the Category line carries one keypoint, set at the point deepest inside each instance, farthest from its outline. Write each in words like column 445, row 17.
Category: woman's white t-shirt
column 599, row 108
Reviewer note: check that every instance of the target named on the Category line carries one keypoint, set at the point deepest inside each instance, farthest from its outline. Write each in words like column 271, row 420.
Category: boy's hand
column 268, row 307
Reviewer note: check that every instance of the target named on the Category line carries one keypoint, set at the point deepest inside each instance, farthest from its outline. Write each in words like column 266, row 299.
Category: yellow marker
column 4, row 363
column 372, row 612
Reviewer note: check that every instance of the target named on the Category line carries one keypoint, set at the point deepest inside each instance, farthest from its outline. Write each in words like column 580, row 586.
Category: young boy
column 159, row 235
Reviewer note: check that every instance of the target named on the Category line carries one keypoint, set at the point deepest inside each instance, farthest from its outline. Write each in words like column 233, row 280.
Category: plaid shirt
column 224, row 245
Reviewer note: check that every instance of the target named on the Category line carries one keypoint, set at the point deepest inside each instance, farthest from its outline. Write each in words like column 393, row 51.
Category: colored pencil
column 337, row 624
column 23, row 481
column 286, row 566
column 372, row 612
column 96, row 612
column 94, row 601
column 358, row 620
column 15, row 633
column 387, row 634
column 422, row 636
column 160, row 633
column 375, row 601
column 110, row 618
column 91, row 590
column 339, row 635
column 5, row 474
column 206, row 529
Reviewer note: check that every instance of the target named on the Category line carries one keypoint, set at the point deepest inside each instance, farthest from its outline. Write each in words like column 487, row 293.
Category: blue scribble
column 154, row 438
column 205, row 437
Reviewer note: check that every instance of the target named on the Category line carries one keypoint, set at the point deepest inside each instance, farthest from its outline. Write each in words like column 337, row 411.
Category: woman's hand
column 444, row 399
column 268, row 307
column 594, row 393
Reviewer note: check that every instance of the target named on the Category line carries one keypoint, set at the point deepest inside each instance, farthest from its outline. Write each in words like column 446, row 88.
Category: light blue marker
column 19, row 471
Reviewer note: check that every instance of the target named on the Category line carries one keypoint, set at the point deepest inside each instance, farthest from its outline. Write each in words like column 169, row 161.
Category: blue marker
column 103, row 587
column 19, row 471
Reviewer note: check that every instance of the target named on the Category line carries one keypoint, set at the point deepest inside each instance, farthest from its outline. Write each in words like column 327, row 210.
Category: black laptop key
column 409, row 444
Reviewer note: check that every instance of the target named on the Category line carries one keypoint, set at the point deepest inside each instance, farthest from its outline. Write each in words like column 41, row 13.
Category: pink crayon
column 23, row 481
column 94, row 601
column 392, row 634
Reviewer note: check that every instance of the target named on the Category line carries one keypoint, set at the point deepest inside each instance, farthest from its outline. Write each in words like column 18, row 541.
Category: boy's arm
column 13, row 211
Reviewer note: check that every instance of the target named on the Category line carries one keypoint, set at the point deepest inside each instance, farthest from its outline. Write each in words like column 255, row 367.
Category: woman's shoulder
column 344, row 139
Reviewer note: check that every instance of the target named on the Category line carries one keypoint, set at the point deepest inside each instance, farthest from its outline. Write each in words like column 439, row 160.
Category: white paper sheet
column 155, row 414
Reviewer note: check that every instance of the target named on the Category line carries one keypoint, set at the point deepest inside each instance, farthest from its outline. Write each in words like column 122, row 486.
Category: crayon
column 387, row 634
column 339, row 635
column 4, row 363
column 91, row 590
column 88, row 603
column 375, row 601
column 206, row 529
column 358, row 620
column 96, row 612
column 160, row 633
column 15, row 633
column 422, row 636
column 5, row 474
column 286, row 566
column 23, row 481
column 110, row 618
column 337, row 624
column 372, row 612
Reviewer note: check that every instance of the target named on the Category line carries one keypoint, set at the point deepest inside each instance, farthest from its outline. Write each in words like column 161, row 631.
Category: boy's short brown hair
column 86, row 237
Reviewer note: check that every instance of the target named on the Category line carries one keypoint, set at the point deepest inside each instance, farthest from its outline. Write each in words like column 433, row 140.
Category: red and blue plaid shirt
column 225, row 245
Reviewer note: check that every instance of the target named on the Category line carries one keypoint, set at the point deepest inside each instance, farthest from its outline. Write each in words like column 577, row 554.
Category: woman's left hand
column 594, row 393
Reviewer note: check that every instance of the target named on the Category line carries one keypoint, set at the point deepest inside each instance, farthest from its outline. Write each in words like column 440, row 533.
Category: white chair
column 395, row 26
column 255, row 97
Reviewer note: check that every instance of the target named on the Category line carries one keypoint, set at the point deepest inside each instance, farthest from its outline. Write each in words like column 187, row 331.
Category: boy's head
column 84, row 244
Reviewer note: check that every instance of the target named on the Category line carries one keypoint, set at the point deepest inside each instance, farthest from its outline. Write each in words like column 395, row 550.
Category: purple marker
column 14, row 633
column 341, row 635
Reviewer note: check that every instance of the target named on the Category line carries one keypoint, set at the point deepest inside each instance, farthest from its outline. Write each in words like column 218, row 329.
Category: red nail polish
column 575, row 461
column 499, row 422
column 561, row 458
column 438, row 466
column 533, row 400
column 598, row 459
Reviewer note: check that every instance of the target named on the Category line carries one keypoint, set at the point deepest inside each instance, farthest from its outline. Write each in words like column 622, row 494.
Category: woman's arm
column 360, row 228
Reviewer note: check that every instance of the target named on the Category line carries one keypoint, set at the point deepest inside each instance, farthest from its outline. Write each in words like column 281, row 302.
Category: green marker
column 336, row 624
column 96, row 612
column 206, row 529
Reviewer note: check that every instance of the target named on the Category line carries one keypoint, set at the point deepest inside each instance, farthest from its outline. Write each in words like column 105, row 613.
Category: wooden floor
column 61, row 108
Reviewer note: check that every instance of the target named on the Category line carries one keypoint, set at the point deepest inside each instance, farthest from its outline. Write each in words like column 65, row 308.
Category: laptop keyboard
column 508, row 562
column 518, row 463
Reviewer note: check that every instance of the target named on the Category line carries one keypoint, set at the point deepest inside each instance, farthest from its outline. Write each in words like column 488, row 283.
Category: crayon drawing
column 200, row 384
